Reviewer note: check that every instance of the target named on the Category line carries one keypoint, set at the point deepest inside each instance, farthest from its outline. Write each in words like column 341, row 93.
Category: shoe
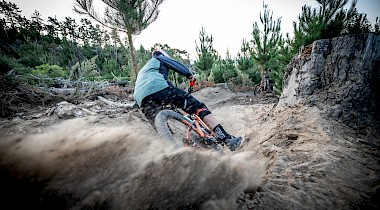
column 233, row 142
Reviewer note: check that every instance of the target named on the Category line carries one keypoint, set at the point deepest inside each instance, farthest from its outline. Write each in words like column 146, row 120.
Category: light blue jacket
column 153, row 77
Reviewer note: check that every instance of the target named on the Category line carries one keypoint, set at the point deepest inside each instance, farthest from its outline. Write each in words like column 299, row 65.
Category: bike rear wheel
column 173, row 127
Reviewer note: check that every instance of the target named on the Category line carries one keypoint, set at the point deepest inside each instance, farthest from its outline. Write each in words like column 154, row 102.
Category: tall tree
column 129, row 16
column 205, row 52
column 52, row 27
column 244, row 61
column 356, row 22
column 115, row 40
column 72, row 28
column 11, row 13
column 227, row 66
column 278, row 64
column 36, row 25
column 84, row 30
column 266, row 42
column 328, row 20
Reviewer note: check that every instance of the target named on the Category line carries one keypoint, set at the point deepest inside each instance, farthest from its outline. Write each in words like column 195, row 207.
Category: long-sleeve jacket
column 153, row 77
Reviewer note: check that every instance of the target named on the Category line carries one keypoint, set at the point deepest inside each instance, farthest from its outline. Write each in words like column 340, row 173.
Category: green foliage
column 243, row 79
column 110, row 65
column 41, row 75
column 223, row 70
column 329, row 20
column 215, row 75
column 241, row 82
column 7, row 64
column 36, row 48
column 357, row 23
column 254, row 75
column 266, row 42
column 143, row 56
column 87, row 69
column 228, row 68
column 31, row 53
column 377, row 25
column 23, row 70
column 177, row 79
column 244, row 60
column 344, row 22
column 49, row 71
column 206, row 55
column 111, row 70
column 179, row 55
column 277, row 76
column 278, row 67
column 130, row 17
column 29, row 43
column 246, row 65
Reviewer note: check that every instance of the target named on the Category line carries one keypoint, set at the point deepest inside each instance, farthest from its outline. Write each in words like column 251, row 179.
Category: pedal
column 209, row 140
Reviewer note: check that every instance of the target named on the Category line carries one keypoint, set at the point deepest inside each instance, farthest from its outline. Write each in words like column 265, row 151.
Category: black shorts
column 155, row 102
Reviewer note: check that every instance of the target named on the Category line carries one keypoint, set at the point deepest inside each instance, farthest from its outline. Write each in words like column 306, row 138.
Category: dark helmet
column 157, row 52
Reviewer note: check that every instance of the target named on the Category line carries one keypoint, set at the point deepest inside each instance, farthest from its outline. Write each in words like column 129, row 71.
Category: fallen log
column 116, row 104
column 66, row 91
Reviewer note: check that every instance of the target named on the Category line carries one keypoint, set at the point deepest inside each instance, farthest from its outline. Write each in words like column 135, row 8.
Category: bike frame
column 203, row 136
column 197, row 126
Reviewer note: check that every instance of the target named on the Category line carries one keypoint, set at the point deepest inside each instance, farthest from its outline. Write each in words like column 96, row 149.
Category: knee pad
column 203, row 112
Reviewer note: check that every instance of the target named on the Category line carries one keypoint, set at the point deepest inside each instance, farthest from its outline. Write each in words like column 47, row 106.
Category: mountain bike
column 186, row 130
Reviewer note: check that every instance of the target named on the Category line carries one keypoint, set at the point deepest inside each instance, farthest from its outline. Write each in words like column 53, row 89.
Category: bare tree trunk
column 262, row 66
column 133, row 57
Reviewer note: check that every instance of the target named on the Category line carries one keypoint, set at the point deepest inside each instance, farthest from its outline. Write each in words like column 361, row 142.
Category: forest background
column 34, row 50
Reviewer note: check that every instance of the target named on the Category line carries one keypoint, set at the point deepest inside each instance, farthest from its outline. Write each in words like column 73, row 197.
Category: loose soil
column 111, row 157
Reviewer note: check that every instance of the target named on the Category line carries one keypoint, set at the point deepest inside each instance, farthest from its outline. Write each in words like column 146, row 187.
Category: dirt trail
column 318, row 148
column 116, row 161
column 292, row 158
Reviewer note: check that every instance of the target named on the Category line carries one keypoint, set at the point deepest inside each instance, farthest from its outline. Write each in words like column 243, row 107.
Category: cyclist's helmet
column 157, row 52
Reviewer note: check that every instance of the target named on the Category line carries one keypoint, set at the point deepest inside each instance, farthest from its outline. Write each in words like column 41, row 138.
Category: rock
column 325, row 142
column 341, row 76
column 65, row 110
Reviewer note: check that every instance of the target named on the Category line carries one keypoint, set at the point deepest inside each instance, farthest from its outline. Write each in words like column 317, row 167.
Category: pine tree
column 265, row 43
column 329, row 20
column 228, row 67
column 36, row 25
column 129, row 16
column 283, row 59
column 52, row 27
column 205, row 52
column 244, row 61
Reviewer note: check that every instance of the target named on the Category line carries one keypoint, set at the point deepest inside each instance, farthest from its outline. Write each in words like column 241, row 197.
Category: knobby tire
column 163, row 129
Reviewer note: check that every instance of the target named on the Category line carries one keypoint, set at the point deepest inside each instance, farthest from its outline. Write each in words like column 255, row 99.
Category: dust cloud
column 79, row 164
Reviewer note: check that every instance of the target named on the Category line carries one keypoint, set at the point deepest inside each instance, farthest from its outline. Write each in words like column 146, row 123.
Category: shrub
column 48, row 71
column 7, row 64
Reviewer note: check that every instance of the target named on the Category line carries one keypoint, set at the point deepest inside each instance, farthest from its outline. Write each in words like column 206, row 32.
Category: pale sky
column 180, row 21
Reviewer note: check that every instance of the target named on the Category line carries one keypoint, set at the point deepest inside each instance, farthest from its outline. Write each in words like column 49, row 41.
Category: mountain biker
column 153, row 90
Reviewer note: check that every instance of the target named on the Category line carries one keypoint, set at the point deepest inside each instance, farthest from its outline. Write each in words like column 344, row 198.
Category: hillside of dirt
column 315, row 147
